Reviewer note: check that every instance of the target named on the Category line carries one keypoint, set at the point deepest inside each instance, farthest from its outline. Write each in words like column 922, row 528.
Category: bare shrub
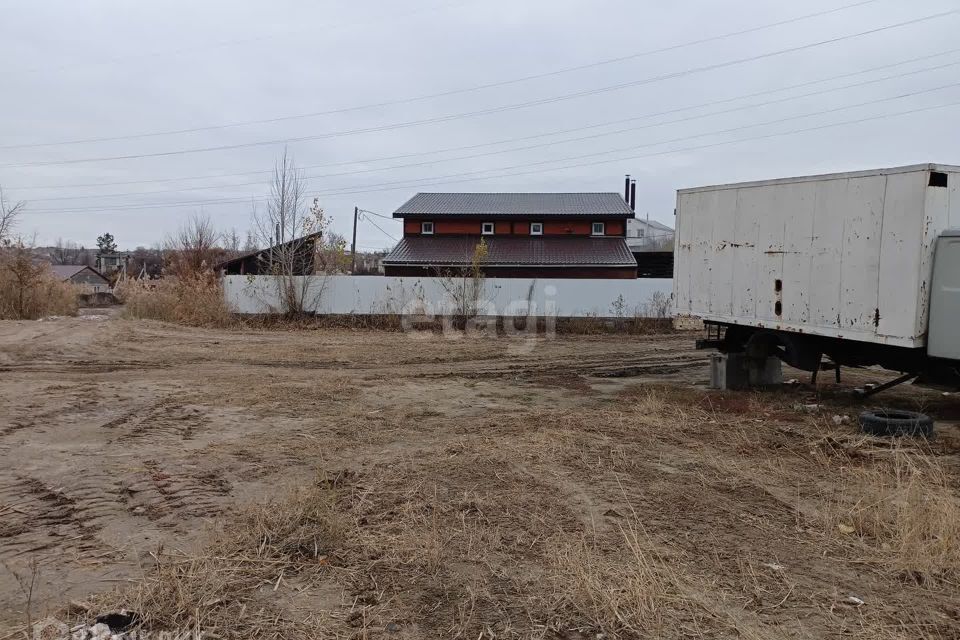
column 658, row 306
column 465, row 286
column 29, row 290
column 193, row 248
column 192, row 300
column 904, row 508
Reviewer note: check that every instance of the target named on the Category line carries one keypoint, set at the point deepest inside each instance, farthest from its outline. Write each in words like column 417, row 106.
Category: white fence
column 509, row 297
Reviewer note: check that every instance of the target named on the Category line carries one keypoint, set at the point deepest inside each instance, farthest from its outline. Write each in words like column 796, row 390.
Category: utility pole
column 353, row 245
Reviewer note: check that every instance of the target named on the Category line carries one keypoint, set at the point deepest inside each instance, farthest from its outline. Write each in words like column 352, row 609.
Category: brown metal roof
column 507, row 251
column 263, row 253
column 524, row 205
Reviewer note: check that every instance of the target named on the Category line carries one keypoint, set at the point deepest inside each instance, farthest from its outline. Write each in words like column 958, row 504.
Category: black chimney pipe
column 626, row 189
column 633, row 195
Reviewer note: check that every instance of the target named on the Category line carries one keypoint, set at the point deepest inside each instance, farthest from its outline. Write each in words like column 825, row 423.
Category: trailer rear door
column 944, row 337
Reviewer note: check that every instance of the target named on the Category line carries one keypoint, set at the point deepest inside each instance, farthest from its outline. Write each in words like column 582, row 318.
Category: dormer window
column 597, row 229
column 426, row 228
column 536, row 228
column 486, row 228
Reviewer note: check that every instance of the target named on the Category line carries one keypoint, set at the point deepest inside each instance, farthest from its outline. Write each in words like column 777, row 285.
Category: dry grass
column 632, row 590
column 42, row 295
column 904, row 509
column 227, row 590
column 598, row 326
column 195, row 300
column 488, row 506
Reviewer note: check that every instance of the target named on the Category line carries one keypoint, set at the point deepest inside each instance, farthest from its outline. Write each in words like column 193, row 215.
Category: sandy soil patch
column 338, row 483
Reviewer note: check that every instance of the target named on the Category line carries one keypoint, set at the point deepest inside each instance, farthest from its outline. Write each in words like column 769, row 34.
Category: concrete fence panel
column 549, row 297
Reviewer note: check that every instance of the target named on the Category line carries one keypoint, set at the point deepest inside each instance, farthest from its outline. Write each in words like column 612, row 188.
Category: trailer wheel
column 896, row 422
column 799, row 352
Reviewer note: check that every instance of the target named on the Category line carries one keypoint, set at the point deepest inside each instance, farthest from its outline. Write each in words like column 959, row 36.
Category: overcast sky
column 349, row 84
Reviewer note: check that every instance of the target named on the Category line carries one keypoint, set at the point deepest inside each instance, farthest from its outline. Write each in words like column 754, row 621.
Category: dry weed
column 192, row 300
column 905, row 510
column 36, row 295
column 628, row 325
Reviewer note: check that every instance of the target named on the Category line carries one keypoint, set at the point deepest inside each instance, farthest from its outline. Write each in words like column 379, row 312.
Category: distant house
column 528, row 235
column 369, row 263
column 110, row 262
column 80, row 274
column 648, row 235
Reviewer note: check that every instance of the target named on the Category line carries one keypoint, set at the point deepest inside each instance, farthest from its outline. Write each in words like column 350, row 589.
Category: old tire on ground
column 896, row 422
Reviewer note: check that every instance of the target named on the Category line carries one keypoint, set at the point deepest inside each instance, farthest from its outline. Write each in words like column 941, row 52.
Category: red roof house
column 528, row 235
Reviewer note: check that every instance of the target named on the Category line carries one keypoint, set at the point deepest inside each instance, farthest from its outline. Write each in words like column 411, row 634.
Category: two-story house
column 528, row 235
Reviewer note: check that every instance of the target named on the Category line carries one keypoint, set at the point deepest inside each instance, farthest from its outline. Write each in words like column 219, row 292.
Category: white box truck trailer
column 862, row 268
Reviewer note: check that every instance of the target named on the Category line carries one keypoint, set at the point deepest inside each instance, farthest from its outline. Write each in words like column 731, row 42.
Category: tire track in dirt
column 83, row 366
column 44, row 517
column 162, row 493
column 603, row 367
column 161, row 419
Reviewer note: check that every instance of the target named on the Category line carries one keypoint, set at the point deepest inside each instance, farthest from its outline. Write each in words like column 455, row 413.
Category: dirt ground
column 581, row 486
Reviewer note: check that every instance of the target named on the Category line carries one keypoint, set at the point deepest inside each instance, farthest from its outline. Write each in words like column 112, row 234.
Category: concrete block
column 687, row 323
column 766, row 373
column 737, row 371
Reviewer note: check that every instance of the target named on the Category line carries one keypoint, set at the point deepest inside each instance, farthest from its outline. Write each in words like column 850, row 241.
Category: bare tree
column 250, row 245
column 231, row 242
column 193, row 248
column 8, row 218
column 286, row 216
column 290, row 229
column 68, row 252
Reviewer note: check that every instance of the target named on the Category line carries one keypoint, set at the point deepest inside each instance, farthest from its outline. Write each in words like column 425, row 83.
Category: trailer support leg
column 866, row 393
column 837, row 372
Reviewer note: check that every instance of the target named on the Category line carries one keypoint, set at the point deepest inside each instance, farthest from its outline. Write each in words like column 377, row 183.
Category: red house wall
column 621, row 273
column 581, row 227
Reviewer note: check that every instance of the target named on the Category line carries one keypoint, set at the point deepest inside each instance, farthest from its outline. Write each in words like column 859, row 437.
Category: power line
column 346, row 190
column 684, row 149
column 462, row 177
column 389, row 235
column 379, row 215
column 502, row 108
column 449, row 92
column 238, row 41
column 542, row 135
column 515, row 149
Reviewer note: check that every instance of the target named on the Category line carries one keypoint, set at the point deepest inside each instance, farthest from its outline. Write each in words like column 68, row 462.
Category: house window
column 536, row 228
column 597, row 229
column 426, row 228
column 486, row 228
column 640, row 233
